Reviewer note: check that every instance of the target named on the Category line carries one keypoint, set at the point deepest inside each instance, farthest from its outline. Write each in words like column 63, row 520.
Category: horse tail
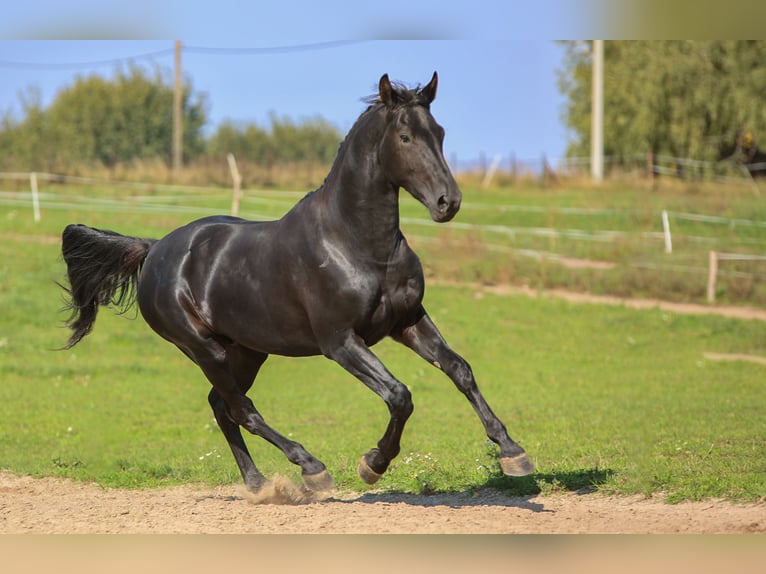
column 102, row 268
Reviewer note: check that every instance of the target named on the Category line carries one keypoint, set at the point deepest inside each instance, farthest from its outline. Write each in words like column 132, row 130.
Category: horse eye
column 404, row 138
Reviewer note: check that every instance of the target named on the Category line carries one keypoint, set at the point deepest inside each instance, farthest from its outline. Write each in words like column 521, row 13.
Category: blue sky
column 497, row 93
column 496, row 58
column 495, row 97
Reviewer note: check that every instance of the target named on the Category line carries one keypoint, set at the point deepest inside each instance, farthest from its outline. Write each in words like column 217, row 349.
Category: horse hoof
column 518, row 465
column 319, row 482
column 366, row 473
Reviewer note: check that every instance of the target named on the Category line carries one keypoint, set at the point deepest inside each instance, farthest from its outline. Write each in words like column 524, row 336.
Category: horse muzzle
column 446, row 206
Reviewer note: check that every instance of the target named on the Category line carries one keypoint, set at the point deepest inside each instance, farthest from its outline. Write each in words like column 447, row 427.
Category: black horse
column 333, row 276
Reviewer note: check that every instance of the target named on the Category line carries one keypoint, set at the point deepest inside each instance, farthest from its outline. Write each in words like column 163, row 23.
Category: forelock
column 405, row 95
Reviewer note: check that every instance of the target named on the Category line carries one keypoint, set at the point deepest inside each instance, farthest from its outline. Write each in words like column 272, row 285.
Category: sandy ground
column 48, row 506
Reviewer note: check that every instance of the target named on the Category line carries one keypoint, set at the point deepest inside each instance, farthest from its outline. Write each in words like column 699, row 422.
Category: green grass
column 640, row 266
column 606, row 398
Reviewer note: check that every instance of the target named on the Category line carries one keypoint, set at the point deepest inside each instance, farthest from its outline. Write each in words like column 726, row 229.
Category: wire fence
column 648, row 164
column 270, row 204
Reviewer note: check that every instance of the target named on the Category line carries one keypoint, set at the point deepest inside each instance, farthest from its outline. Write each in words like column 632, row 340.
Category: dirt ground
column 731, row 311
column 56, row 506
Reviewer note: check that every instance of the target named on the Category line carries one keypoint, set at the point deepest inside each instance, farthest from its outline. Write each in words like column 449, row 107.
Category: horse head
column 411, row 153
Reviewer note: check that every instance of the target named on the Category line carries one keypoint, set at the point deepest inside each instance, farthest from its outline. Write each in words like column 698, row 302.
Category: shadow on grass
column 501, row 491
column 581, row 481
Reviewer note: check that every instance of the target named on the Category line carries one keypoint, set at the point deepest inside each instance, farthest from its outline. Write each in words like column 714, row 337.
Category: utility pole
column 597, row 113
column 177, row 117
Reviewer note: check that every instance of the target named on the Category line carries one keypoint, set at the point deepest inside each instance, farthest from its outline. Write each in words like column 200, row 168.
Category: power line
column 89, row 64
column 269, row 50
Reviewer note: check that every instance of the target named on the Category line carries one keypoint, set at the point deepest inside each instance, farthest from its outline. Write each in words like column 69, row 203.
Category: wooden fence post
column 513, row 168
column 666, row 232
column 491, row 171
column 237, row 184
column 35, row 196
column 650, row 165
column 712, row 277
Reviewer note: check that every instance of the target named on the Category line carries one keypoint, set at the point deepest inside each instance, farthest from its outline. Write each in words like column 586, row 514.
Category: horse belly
column 257, row 316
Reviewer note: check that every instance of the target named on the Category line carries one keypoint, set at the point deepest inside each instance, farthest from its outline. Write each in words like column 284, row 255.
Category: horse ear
column 385, row 91
column 429, row 92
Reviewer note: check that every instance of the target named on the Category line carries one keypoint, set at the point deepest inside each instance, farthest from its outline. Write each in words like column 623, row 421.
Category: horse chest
column 395, row 303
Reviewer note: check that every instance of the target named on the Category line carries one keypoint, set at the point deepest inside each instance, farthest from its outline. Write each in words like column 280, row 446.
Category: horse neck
column 357, row 193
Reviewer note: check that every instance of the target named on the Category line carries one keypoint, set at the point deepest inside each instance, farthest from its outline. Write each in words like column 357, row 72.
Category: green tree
column 106, row 121
column 313, row 139
column 246, row 142
column 25, row 144
column 689, row 99
column 286, row 140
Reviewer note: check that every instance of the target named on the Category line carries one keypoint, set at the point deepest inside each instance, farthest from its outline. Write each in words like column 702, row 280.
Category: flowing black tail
column 103, row 268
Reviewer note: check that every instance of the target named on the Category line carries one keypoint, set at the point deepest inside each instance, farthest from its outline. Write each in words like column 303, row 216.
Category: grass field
column 601, row 397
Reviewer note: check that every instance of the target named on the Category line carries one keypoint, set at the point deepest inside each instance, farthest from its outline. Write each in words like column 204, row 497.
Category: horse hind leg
column 231, row 369
column 231, row 378
column 254, row 480
column 313, row 472
column 245, row 375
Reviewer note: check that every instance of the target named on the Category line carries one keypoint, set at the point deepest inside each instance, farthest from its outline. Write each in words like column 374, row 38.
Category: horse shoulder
column 402, row 289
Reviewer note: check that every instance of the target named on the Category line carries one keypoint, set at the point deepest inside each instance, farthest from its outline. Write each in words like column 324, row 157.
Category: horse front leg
column 353, row 355
column 425, row 339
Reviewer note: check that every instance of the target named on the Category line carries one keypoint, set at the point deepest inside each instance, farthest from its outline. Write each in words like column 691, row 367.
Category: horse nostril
column 443, row 203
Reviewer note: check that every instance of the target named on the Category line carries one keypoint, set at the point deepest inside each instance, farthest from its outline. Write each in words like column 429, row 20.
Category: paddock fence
column 647, row 165
column 36, row 193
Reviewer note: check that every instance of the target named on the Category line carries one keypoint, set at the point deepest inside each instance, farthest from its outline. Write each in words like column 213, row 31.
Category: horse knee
column 400, row 402
column 459, row 371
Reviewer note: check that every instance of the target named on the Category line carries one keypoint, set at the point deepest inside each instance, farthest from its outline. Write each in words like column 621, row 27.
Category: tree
column 108, row 121
column 312, row 140
column 24, row 144
column 690, row 99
